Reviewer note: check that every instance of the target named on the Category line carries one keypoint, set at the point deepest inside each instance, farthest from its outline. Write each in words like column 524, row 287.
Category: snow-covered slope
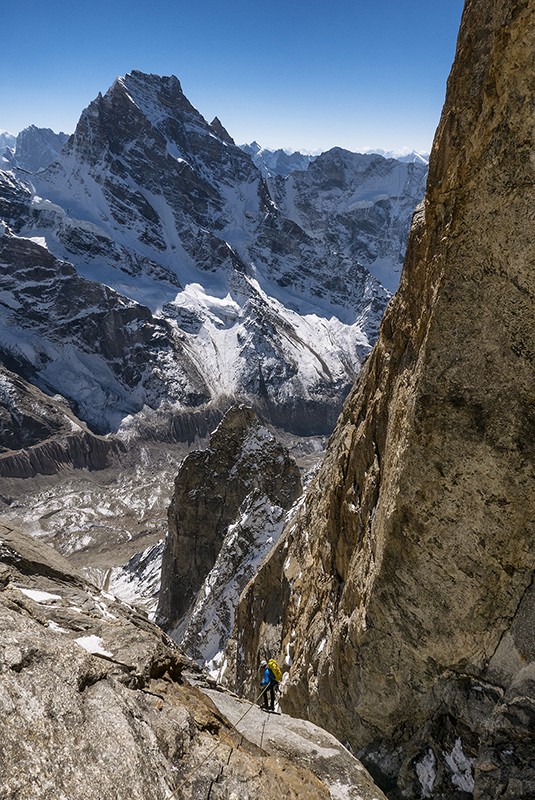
column 106, row 354
column 361, row 205
column 138, row 581
column 253, row 296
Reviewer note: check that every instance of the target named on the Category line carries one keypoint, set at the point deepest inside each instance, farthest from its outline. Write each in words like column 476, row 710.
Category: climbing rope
column 212, row 751
column 263, row 729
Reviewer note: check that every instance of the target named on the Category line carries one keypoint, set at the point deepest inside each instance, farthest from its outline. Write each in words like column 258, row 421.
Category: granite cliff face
column 405, row 600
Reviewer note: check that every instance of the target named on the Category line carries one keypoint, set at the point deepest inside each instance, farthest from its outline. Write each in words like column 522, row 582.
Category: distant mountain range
column 283, row 162
column 276, row 162
column 33, row 149
column 153, row 265
column 407, row 156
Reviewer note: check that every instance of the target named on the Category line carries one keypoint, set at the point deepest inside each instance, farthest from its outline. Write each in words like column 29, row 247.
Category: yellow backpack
column 275, row 669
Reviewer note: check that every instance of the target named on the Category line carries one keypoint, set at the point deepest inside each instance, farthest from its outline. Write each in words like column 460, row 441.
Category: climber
column 271, row 683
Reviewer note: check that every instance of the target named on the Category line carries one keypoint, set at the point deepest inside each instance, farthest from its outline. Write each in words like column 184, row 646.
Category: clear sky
column 310, row 75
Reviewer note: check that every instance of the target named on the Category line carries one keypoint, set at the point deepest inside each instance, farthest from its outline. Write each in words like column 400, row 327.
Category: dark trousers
column 270, row 690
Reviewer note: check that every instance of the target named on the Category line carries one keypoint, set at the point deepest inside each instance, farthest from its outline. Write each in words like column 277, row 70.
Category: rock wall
column 80, row 450
column 106, row 355
column 408, row 573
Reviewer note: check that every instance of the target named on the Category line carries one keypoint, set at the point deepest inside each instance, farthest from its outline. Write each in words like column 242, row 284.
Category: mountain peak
column 158, row 97
column 133, row 105
column 151, row 77
column 221, row 131
column 153, row 201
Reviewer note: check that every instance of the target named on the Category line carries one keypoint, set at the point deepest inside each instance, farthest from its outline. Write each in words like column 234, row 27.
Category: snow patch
column 461, row 767
column 93, row 644
column 104, row 611
column 287, row 658
column 40, row 597
column 40, row 240
column 55, row 627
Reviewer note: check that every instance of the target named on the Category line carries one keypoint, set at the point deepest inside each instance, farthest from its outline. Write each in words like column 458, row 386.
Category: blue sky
column 304, row 75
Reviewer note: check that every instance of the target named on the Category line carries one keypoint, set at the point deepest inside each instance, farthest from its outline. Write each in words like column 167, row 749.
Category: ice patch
column 426, row 770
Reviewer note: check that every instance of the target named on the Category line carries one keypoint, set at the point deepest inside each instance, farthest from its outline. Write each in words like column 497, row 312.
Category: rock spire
column 244, row 472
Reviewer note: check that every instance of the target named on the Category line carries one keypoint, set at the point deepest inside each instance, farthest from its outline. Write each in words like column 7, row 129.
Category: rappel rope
column 263, row 729
column 212, row 751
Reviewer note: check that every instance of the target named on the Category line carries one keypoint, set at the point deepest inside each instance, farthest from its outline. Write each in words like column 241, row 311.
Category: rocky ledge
column 95, row 705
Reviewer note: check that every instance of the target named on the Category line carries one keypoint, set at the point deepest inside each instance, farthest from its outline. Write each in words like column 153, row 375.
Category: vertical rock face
column 243, row 467
column 361, row 203
column 409, row 571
